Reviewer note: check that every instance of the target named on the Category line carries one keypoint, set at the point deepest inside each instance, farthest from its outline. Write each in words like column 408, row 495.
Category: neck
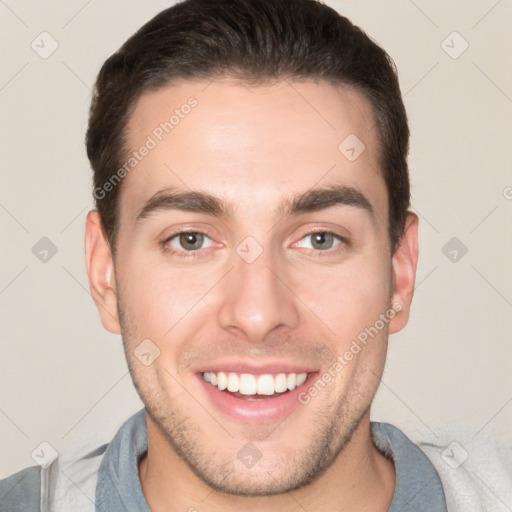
column 360, row 478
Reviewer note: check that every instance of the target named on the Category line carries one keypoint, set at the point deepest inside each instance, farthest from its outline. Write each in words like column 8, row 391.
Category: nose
column 256, row 299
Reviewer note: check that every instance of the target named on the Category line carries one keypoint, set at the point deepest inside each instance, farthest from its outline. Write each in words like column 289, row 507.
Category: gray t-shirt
column 418, row 486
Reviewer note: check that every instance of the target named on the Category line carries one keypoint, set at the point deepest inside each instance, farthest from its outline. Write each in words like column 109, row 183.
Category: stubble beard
column 333, row 429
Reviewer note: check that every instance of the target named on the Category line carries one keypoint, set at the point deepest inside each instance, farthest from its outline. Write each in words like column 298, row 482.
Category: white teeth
column 222, row 380
column 292, row 381
column 301, row 378
column 281, row 383
column 265, row 385
column 233, row 382
column 248, row 384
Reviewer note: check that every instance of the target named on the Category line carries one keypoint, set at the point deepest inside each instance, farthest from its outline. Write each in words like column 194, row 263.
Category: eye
column 189, row 241
column 319, row 240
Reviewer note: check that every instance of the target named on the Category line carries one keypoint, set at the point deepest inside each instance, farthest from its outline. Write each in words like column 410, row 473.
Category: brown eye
column 188, row 241
column 191, row 241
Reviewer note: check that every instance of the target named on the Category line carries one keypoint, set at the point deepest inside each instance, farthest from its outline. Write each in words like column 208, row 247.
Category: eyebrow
column 170, row 199
column 325, row 197
column 203, row 202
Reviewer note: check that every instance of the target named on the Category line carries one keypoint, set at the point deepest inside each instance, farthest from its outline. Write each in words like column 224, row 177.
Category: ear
column 100, row 270
column 404, row 262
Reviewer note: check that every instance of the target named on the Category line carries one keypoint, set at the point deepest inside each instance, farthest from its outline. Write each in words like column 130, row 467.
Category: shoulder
column 475, row 467
column 72, row 481
column 67, row 483
column 21, row 491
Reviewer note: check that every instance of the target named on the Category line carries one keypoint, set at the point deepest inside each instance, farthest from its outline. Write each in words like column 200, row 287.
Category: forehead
column 251, row 145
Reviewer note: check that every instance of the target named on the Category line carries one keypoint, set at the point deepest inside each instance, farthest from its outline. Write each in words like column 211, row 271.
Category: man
column 252, row 243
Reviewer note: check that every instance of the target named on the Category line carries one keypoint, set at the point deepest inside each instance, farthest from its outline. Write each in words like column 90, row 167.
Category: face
column 253, row 254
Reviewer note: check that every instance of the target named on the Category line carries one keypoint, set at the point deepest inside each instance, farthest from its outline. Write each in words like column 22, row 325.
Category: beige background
column 62, row 376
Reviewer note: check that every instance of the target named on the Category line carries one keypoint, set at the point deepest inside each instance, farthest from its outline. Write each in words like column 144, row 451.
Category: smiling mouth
column 255, row 387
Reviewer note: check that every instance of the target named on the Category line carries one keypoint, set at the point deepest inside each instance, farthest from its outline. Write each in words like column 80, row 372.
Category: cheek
column 347, row 298
column 156, row 297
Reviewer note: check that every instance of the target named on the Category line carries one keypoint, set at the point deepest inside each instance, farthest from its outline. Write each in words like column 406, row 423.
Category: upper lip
column 256, row 368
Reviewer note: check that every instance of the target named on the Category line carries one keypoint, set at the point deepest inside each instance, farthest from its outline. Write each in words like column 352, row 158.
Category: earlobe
column 404, row 262
column 100, row 271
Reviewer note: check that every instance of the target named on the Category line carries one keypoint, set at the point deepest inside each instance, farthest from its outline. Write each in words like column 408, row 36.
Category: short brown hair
column 256, row 40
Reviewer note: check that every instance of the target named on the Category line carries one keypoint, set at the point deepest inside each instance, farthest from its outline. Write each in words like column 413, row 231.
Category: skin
column 254, row 147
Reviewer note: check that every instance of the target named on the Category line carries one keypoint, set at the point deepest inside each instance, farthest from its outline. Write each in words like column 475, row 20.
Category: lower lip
column 267, row 410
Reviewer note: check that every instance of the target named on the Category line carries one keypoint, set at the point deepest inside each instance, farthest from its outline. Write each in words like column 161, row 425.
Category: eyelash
column 343, row 243
column 181, row 254
column 194, row 254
